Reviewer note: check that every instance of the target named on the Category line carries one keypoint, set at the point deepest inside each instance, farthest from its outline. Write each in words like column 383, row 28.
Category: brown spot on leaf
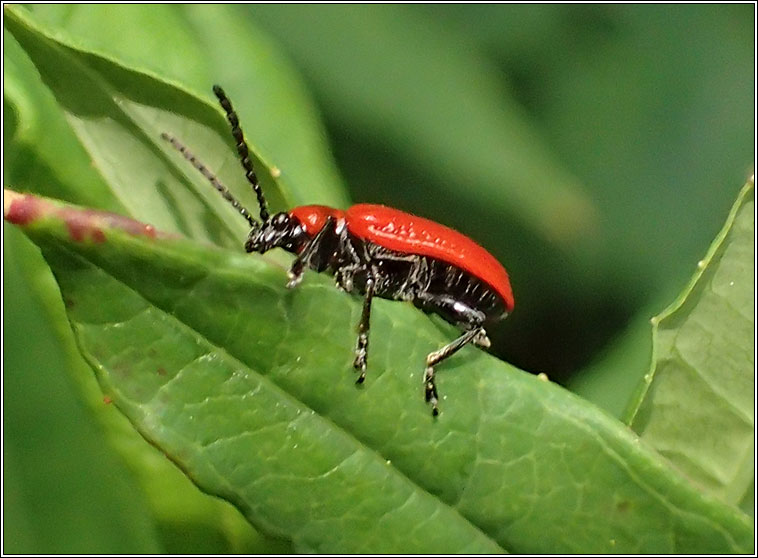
column 83, row 223
column 22, row 209
column 80, row 225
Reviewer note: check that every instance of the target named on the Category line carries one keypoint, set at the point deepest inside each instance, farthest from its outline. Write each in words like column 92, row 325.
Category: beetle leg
column 438, row 356
column 303, row 259
column 361, row 346
column 482, row 340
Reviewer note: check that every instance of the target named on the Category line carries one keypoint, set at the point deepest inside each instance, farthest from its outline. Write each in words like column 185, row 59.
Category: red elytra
column 406, row 233
column 374, row 250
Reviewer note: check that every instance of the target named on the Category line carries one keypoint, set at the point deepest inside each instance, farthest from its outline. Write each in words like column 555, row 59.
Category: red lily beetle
column 373, row 250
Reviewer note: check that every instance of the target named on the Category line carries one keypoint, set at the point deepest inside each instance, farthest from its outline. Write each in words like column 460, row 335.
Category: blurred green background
column 595, row 150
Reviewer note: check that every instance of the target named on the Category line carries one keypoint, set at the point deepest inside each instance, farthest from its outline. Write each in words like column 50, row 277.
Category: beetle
column 376, row 251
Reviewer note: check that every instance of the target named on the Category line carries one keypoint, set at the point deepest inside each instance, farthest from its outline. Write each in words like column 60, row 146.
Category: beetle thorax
column 280, row 231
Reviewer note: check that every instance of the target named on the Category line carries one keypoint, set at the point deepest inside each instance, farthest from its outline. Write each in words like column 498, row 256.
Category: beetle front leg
column 361, row 346
column 295, row 274
column 305, row 257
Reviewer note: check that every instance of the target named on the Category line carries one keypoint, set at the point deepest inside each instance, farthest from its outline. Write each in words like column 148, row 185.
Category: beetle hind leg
column 476, row 335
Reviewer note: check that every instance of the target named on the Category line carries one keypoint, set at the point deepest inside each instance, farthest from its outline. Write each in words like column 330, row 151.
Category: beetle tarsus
column 430, row 389
column 295, row 277
column 360, row 357
column 481, row 340
column 361, row 352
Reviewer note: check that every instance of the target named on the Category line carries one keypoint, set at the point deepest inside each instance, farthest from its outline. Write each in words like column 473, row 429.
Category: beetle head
column 282, row 230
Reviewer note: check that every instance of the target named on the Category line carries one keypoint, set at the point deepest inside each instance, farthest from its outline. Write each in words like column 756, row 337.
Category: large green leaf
column 248, row 387
column 696, row 406
column 185, row 519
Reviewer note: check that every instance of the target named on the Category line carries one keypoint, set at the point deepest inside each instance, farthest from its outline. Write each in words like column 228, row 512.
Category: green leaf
column 696, row 405
column 117, row 108
column 42, row 154
column 249, row 388
column 185, row 519
column 48, row 437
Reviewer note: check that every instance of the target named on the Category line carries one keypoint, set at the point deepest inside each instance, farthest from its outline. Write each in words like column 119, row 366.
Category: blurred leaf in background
column 595, row 150
column 697, row 406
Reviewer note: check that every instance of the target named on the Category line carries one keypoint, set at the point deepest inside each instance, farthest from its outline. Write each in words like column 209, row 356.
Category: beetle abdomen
column 432, row 285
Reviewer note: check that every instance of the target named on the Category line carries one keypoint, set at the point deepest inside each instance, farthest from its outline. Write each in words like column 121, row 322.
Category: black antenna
column 242, row 149
column 176, row 144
